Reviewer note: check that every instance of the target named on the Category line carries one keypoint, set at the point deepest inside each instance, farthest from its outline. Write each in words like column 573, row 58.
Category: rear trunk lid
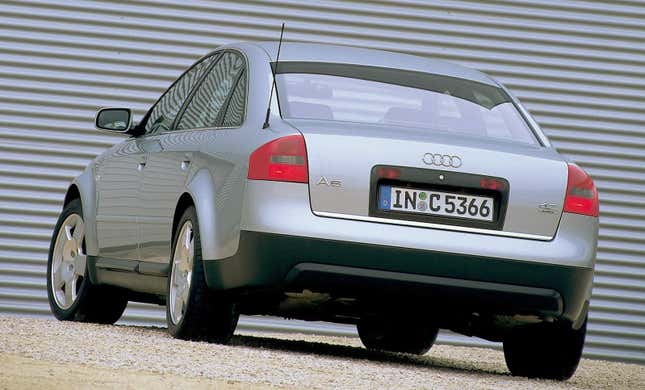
column 353, row 167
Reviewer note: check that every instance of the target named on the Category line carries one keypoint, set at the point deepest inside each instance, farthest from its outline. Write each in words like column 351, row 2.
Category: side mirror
column 117, row 120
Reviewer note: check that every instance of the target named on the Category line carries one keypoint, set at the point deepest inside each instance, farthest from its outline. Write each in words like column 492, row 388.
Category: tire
column 193, row 312
column 549, row 351
column 381, row 334
column 71, row 294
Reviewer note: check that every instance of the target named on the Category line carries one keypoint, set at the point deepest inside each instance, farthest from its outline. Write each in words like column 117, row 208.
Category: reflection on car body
column 401, row 198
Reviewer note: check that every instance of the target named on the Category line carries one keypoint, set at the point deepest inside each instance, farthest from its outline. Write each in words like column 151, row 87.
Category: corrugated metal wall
column 579, row 66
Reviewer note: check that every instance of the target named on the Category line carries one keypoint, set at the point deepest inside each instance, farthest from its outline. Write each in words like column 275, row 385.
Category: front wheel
column 549, row 351
column 71, row 295
column 193, row 312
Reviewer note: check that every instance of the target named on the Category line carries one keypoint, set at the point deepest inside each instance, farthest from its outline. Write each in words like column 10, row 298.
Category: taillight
column 389, row 173
column 582, row 196
column 283, row 159
column 489, row 183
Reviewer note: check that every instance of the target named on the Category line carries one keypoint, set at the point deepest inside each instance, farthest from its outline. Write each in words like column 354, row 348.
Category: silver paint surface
column 285, row 210
column 136, row 206
column 348, row 152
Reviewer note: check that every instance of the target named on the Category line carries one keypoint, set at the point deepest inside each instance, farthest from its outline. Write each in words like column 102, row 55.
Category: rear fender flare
column 219, row 237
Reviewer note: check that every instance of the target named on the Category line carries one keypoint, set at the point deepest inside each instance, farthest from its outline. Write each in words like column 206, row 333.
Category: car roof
column 317, row 52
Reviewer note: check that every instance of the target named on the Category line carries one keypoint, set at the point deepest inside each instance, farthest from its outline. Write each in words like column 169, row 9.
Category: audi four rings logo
column 442, row 160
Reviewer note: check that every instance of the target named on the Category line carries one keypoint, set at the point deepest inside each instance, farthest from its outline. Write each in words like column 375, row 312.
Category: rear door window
column 208, row 105
column 234, row 115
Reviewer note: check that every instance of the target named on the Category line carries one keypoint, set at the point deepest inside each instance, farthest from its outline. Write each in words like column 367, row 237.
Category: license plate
column 430, row 202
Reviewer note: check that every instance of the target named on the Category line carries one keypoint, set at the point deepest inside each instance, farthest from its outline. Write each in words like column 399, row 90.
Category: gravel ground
column 113, row 355
column 26, row 373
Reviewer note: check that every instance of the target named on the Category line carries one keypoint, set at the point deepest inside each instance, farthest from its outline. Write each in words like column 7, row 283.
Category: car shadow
column 360, row 353
column 466, row 365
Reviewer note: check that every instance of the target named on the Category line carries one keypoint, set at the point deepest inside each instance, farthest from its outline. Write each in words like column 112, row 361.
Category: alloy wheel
column 181, row 273
column 68, row 261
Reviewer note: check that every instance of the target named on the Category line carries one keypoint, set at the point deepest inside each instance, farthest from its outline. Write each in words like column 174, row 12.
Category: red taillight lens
column 283, row 159
column 389, row 173
column 582, row 196
column 489, row 183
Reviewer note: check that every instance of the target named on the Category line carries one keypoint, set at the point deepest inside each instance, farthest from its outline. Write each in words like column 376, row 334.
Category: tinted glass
column 235, row 111
column 204, row 108
column 438, row 103
column 164, row 112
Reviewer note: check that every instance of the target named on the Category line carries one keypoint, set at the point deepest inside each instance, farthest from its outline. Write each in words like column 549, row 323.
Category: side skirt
column 139, row 277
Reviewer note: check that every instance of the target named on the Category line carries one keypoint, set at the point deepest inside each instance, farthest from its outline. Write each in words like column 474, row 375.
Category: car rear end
column 438, row 195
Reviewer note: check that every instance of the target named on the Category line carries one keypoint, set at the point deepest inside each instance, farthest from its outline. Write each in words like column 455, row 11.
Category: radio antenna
column 273, row 86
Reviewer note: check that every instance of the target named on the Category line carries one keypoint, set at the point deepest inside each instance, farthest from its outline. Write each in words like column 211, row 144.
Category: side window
column 204, row 108
column 164, row 112
column 234, row 115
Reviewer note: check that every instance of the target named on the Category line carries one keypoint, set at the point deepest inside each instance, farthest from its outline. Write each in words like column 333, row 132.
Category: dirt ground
column 40, row 353
column 19, row 372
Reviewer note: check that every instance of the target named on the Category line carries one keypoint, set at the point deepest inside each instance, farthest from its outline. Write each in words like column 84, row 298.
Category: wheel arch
column 219, row 219
column 183, row 203
column 72, row 193
column 83, row 188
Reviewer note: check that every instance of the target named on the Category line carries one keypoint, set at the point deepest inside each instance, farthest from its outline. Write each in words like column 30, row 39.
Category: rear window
column 351, row 93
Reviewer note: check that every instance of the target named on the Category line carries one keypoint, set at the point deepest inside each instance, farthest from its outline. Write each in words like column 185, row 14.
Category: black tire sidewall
column 397, row 335
column 549, row 351
column 208, row 316
column 188, row 215
column 73, row 207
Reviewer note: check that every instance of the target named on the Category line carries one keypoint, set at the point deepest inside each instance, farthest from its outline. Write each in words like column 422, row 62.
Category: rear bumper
column 284, row 208
column 349, row 269
column 443, row 293
column 282, row 244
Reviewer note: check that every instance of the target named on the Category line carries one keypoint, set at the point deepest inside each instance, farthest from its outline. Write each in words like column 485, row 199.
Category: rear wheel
column 193, row 312
column 549, row 351
column 71, row 295
column 395, row 335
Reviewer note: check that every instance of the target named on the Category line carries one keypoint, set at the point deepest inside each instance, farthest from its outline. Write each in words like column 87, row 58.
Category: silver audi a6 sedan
column 394, row 192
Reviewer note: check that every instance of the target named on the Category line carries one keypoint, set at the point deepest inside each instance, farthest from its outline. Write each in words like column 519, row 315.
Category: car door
column 157, row 180
column 119, row 172
column 118, row 178
column 172, row 158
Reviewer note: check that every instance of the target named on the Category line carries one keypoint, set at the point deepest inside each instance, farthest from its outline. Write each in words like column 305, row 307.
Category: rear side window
column 207, row 105
column 234, row 115
column 164, row 112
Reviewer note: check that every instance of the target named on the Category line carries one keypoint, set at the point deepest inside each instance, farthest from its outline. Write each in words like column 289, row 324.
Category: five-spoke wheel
column 72, row 296
column 182, row 272
column 193, row 311
column 68, row 262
